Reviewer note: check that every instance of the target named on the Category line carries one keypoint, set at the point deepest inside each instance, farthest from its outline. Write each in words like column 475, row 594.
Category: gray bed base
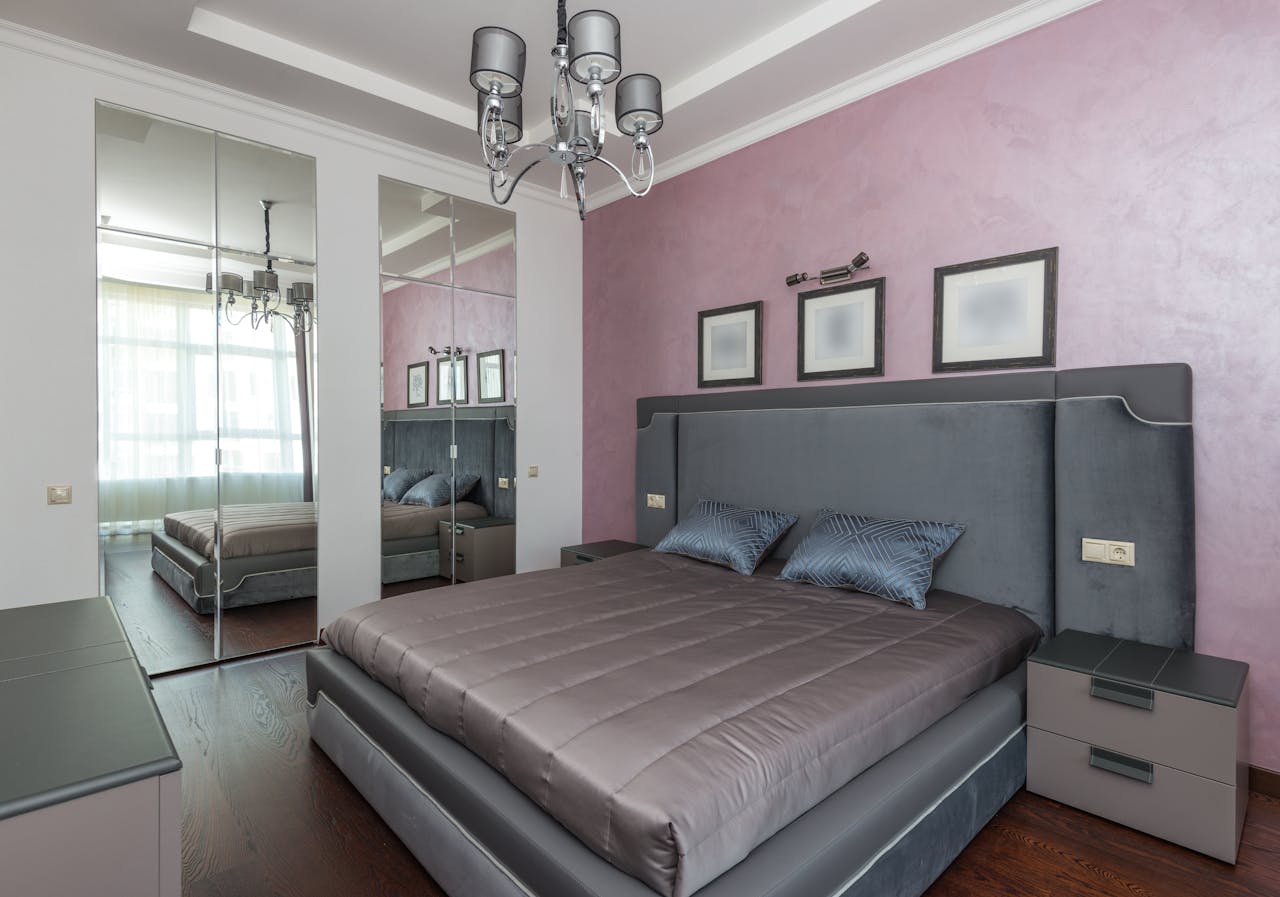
column 264, row 579
column 889, row 833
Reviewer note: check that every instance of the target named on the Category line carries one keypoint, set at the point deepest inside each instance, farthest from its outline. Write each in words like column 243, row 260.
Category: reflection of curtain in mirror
column 158, row 420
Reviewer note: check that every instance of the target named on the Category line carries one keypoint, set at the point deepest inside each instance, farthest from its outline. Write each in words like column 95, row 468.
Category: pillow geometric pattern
column 890, row 558
column 724, row 534
column 434, row 490
column 401, row 480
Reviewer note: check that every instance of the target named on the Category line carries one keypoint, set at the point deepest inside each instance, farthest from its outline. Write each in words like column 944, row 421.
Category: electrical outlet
column 386, row 470
column 656, row 501
column 59, row 495
column 533, row 470
column 504, row 483
column 1107, row 551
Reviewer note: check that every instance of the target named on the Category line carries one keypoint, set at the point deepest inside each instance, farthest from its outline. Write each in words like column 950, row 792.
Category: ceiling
column 397, row 69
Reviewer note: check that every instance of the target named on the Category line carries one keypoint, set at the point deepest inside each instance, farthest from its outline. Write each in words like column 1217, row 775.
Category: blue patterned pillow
column 401, row 480
column 727, row 535
column 434, row 490
column 890, row 558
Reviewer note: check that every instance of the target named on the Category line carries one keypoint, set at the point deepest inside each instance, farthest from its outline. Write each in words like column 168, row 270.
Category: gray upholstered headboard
column 1030, row 462
column 486, row 439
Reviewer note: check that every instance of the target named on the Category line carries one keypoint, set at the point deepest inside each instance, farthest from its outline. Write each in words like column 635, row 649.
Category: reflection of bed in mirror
column 269, row 550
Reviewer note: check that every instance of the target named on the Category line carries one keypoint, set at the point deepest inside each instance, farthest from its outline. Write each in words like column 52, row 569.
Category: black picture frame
column 459, row 361
column 425, row 366
column 756, row 378
column 876, row 368
column 502, row 376
column 1048, row 337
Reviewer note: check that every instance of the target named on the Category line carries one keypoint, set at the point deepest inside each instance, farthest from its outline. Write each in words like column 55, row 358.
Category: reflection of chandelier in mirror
column 589, row 50
column 263, row 295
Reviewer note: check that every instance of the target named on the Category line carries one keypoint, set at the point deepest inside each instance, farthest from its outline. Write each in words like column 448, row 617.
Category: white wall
column 48, row 331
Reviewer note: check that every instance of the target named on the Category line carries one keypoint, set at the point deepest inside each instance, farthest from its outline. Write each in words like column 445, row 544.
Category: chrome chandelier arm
column 511, row 183
column 648, row 184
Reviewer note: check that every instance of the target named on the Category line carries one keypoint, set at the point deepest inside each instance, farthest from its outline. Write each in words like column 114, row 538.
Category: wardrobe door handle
column 1122, row 765
column 1120, row 693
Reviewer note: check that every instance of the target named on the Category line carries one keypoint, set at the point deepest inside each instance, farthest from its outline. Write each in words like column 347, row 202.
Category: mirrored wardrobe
column 206, row 375
column 448, row 389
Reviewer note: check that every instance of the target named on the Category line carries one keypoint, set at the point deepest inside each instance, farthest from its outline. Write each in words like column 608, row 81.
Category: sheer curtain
column 158, row 425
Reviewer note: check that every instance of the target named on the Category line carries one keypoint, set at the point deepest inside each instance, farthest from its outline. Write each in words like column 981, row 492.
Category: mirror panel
column 441, row 345
column 250, row 173
column 154, row 176
column 484, row 239
column 414, row 226
column 157, row 439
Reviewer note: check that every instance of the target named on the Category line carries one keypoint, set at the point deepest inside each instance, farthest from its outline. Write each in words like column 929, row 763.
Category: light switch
column 59, row 495
column 504, row 483
column 386, row 470
column 656, row 501
column 533, row 470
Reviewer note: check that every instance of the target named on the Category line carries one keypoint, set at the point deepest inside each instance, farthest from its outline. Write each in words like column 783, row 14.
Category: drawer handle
column 583, row 559
column 457, row 531
column 1118, row 692
column 1122, row 765
column 459, row 558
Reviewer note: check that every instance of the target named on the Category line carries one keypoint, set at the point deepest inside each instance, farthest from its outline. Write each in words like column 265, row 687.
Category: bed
column 269, row 550
column 650, row 724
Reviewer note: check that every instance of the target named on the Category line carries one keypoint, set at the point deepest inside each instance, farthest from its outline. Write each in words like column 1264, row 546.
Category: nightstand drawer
column 1186, row 809
column 1194, row 736
column 570, row 558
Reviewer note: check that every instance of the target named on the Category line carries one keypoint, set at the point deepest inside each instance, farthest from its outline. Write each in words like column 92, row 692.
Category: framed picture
column 417, row 384
column 841, row 331
column 451, row 381
column 491, row 370
column 729, row 344
column 996, row 313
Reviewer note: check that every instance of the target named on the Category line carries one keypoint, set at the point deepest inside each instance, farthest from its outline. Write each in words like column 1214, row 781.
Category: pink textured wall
column 1140, row 136
column 415, row 316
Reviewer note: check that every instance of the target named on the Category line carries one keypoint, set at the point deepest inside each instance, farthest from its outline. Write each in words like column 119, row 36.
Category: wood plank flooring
column 168, row 635
column 266, row 813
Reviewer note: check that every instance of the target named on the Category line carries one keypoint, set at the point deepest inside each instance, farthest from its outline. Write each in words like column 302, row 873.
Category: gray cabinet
column 90, row 788
column 1149, row 737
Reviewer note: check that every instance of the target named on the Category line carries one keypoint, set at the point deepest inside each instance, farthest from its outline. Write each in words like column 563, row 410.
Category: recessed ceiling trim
column 113, row 65
column 989, row 32
column 271, row 46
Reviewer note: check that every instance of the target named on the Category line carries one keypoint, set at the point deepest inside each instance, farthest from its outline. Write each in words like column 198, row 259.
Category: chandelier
column 588, row 50
column 266, row 303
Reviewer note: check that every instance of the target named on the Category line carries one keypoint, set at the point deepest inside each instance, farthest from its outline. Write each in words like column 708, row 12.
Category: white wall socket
column 1107, row 551
column 533, row 470
column 59, row 495
column 656, row 501
column 504, row 483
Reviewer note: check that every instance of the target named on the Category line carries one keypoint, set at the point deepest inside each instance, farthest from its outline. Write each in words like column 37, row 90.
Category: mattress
column 283, row 527
column 671, row 714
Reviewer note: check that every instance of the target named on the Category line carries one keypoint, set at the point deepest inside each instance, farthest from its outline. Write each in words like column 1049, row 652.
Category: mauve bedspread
column 672, row 714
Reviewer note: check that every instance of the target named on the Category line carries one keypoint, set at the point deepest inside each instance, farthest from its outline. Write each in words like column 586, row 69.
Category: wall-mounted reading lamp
column 833, row 275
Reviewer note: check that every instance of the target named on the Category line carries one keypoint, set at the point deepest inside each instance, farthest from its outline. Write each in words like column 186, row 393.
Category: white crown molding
column 1011, row 23
column 103, row 62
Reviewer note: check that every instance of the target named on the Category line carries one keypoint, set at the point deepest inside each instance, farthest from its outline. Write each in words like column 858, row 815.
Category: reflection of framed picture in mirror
column 491, row 375
column 996, row 313
column 417, row 384
column 841, row 331
column 729, row 344
column 451, row 381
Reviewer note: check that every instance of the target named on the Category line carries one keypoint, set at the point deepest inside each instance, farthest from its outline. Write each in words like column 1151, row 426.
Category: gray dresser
column 1149, row 737
column 90, row 794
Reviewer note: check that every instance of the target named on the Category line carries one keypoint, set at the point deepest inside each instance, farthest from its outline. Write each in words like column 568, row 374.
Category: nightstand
column 591, row 552
column 1149, row 737
column 483, row 547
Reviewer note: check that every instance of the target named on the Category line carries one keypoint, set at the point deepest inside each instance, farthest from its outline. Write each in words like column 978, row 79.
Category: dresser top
column 1198, row 676
column 77, row 709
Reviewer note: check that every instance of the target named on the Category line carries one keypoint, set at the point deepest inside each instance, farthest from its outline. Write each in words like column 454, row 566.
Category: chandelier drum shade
column 588, row 50
column 263, row 296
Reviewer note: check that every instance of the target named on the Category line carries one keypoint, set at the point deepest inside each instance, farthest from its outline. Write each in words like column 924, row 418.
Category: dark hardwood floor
column 266, row 813
column 168, row 635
